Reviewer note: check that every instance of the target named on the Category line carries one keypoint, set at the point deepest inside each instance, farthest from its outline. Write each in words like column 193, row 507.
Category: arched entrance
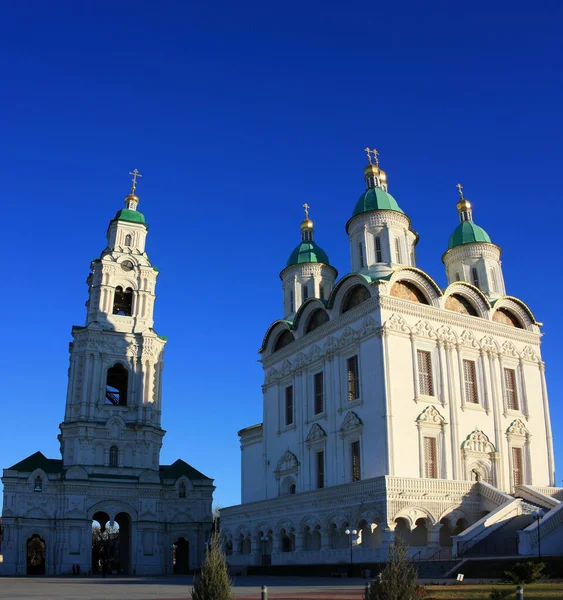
column 36, row 550
column 181, row 556
column 111, row 543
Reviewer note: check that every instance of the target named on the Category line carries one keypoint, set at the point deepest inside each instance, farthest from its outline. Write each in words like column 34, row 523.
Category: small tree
column 525, row 572
column 213, row 583
column 398, row 578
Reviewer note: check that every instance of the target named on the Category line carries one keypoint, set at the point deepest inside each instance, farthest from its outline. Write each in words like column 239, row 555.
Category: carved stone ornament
column 301, row 360
column 446, row 334
column 316, row 434
column 349, row 336
column 288, row 463
column 286, row 367
column 508, row 349
column 488, row 344
column 272, row 376
column 517, row 428
column 477, row 441
column 397, row 323
column 468, row 339
column 529, row 354
column 424, row 329
column 351, row 422
column 369, row 326
column 330, row 346
column 315, row 353
column 432, row 416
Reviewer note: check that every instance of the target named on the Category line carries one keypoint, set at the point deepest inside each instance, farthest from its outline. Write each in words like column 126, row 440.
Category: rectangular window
column 475, row 277
column 510, row 388
column 291, row 302
column 322, row 292
column 361, row 255
column 397, row 251
column 493, row 281
column 289, row 405
column 378, row 254
column 355, row 452
column 318, row 384
column 430, row 458
column 320, row 459
column 470, row 379
column 304, row 292
column 517, row 466
column 353, row 379
column 425, row 381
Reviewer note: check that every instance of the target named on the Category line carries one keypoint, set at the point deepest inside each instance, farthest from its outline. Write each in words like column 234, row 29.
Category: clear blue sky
column 237, row 114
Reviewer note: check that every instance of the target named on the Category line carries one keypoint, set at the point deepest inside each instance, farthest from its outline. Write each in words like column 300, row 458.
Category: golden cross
column 460, row 189
column 375, row 156
column 135, row 174
column 306, row 207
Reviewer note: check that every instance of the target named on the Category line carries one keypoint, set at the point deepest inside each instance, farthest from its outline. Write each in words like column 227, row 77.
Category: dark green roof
column 38, row 461
column 375, row 199
column 180, row 468
column 467, row 233
column 307, row 252
column 133, row 216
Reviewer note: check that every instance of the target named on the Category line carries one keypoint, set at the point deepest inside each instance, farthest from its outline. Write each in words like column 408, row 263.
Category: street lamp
column 350, row 533
column 538, row 515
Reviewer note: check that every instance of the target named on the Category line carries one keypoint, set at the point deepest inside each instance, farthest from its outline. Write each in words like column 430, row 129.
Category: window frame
column 475, row 277
column 355, row 460
column 515, row 392
column 466, row 382
column 354, row 357
column 320, row 469
column 435, row 464
column 378, row 250
column 318, row 395
column 289, row 404
column 423, row 389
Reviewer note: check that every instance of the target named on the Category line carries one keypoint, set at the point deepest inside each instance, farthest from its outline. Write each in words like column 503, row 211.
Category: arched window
column 114, row 456
column 460, row 304
column 291, row 302
column 355, row 296
column 507, row 317
column 283, row 340
column 182, row 489
column 304, row 292
column 127, row 240
column 408, row 291
column 378, row 253
column 318, row 318
column 38, row 484
column 361, row 255
column 292, row 488
column 398, row 257
column 122, row 301
column 474, row 277
column 116, row 385
column 493, row 281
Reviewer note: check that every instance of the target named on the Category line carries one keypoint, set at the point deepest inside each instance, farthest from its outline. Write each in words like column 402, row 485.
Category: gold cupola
column 373, row 175
column 463, row 206
column 132, row 200
column 307, row 228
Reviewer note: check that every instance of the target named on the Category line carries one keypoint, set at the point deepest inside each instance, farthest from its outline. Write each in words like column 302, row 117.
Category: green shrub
column 525, row 572
column 499, row 593
column 398, row 578
column 213, row 583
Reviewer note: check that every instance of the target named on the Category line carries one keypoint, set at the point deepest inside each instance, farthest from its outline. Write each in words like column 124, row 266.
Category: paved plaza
column 173, row 588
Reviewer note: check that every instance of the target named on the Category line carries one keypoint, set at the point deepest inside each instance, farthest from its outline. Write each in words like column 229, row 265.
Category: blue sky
column 237, row 114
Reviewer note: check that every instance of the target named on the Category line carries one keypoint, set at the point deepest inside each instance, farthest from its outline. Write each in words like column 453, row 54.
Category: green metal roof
column 38, row 461
column 375, row 199
column 307, row 252
column 133, row 216
column 467, row 233
column 179, row 468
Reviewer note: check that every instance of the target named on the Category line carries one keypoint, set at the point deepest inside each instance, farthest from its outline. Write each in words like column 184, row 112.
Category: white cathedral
column 394, row 408
column 109, row 471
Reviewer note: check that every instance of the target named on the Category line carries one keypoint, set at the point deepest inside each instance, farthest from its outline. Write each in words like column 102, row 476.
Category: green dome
column 467, row 233
column 375, row 199
column 133, row 216
column 307, row 252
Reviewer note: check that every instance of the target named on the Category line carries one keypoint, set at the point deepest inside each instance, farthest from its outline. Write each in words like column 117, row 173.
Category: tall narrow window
column 470, row 380
column 128, row 240
column 474, row 277
column 361, row 255
column 38, row 484
column 322, row 292
column 318, row 384
column 517, row 466
column 291, row 302
column 397, row 251
column 289, row 405
column 320, row 460
column 378, row 254
column 355, row 454
column 182, row 489
column 113, row 456
column 116, row 385
column 353, row 378
column 430, row 458
column 304, row 292
column 457, row 277
column 425, row 380
column 122, row 301
column 493, row 281
column 510, row 389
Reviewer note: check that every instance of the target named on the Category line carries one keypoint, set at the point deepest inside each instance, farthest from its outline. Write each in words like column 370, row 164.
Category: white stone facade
column 409, row 410
column 110, row 438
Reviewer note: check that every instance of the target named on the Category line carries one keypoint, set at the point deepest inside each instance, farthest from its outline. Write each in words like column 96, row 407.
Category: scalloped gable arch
column 343, row 286
column 520, row 308
column 267, row 343
column 430, row 289
column 473, row 294
column 305, row 310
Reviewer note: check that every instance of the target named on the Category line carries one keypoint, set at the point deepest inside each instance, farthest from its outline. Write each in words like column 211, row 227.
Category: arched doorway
column 36, row 551
column 181, row 557
column 111, row 543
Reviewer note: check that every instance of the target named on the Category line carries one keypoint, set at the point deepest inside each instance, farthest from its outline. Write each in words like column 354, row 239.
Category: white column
column 390, row 458
column 547, row 421
column 454, row 428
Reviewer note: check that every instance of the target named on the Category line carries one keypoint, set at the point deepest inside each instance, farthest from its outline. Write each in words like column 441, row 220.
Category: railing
column 551, row 492
column 528, row 538
column 534, row 495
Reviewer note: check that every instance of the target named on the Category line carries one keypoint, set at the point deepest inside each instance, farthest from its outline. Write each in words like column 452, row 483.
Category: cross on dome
column 135, row 173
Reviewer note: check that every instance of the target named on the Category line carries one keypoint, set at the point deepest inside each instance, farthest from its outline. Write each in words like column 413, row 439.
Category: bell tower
column 113, row 406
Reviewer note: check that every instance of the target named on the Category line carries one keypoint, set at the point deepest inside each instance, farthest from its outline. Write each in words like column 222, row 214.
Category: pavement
column 174, row 588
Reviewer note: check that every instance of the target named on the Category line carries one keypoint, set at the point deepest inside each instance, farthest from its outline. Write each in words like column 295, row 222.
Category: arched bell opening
column 111, row 543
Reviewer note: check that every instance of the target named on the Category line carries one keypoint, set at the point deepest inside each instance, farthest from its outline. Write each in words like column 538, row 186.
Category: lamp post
column 350, row 533
column 538, row 515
